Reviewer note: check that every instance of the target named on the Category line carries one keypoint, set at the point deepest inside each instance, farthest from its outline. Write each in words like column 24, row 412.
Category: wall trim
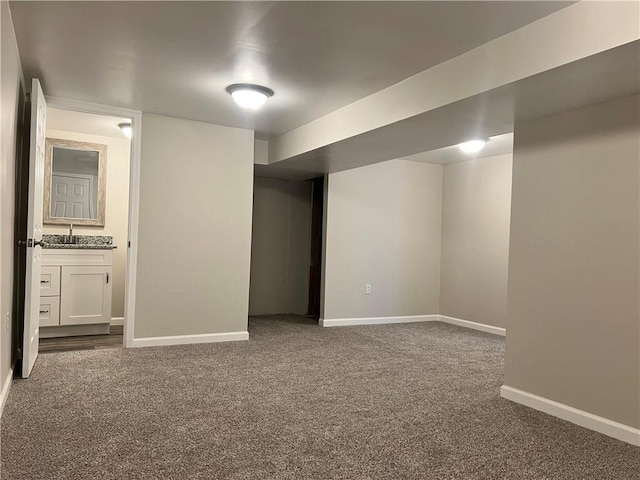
column 117, row 321
column 343, row 322
column 584, row 419
column 4, row 394
column 190, row 339
column 483, row 327
column 134, row 196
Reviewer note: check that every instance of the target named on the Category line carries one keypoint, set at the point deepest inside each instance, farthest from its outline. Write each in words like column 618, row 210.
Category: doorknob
column 30, row 242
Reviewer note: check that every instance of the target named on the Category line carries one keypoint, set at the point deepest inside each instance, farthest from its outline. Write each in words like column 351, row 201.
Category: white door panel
column 71, row 196
column 34, row 229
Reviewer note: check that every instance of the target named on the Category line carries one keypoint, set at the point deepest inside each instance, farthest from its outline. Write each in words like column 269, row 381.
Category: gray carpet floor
column 412, row 401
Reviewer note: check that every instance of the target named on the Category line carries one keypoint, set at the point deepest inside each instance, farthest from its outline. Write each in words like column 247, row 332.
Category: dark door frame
column 23, row 126
column 315, row 260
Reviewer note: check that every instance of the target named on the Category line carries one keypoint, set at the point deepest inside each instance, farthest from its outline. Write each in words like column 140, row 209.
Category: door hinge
column 107, row 277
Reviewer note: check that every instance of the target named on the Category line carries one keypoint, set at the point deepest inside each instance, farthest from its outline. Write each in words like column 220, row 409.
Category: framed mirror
column 75, row 182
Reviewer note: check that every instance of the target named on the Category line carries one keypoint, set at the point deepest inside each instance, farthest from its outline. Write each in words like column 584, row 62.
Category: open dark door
column 315, row 269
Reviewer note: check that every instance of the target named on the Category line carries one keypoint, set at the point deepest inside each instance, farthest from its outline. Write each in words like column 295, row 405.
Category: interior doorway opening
column 317, row 242
column 87, row 287
column 286, row 249
column 89, row 226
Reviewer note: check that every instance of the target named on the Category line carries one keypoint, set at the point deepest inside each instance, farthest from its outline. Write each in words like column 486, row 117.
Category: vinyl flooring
column 86, row 342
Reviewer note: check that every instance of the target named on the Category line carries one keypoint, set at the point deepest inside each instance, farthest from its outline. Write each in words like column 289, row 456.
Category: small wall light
column 472, row 146
column 248, row 95
column 126, row 129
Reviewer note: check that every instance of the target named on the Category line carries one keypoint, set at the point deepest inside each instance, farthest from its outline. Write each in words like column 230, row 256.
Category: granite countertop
column 72, row 246
column 83, row 242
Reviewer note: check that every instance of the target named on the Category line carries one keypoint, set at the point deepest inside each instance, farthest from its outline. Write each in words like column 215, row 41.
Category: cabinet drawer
column 49, row 311
column 50, row 281
column 76, row 256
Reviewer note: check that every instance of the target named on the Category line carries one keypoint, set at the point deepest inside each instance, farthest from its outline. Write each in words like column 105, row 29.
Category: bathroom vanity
column 75, row 285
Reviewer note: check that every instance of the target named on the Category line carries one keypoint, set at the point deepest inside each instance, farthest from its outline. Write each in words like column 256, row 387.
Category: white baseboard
column 343, row 322
column 117, row 321
column 4, row 394
column 474, row 325
column 588, row 420
column 190, row 339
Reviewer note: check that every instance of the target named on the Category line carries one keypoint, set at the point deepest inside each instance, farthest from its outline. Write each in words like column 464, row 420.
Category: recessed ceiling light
column 472, row 146
column 126, row 129
column 248, row 95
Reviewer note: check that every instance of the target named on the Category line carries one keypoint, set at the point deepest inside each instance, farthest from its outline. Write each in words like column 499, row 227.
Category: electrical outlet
column 367, row 289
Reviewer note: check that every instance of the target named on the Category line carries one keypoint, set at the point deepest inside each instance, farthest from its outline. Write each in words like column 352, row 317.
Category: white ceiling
column 176, row 58
column 88, row 123
column 497, row 145
column 592, row 76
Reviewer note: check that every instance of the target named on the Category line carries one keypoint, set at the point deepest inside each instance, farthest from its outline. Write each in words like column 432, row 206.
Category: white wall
column 117, row 202
column 574, row 277
column 194, row 241
column 261, row 152
column 383, row 228
column 10, row 78
column 476, row 208
column 280, row 247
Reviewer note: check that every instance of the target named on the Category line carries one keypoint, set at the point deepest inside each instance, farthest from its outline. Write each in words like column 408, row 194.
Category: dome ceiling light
column 473, row 146
column 248, row 95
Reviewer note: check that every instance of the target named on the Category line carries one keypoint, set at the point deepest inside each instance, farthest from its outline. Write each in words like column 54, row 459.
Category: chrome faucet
column 71, row 238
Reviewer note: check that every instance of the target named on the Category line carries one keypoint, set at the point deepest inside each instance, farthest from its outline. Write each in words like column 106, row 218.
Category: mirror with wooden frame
column 75, row 182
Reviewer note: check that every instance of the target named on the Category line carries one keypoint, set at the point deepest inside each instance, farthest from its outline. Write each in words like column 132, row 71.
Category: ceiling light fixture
column 248, row 95
column 126, row 129
column 472, row 146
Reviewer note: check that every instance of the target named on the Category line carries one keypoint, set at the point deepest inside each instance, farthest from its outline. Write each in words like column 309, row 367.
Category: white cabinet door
column 85, row 295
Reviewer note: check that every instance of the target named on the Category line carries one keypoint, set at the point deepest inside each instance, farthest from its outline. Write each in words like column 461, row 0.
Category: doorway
column 286, row 247
column 120, row 229
column 86, row 202
column 315, row 255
